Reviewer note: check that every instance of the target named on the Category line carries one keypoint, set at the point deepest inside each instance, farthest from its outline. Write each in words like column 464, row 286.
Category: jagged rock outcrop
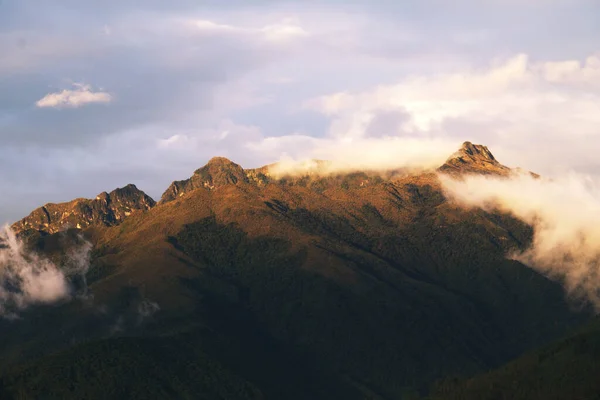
column 106, row 209
column 473, row 158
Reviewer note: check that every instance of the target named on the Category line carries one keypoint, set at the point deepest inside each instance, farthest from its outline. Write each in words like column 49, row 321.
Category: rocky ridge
column 110, row 209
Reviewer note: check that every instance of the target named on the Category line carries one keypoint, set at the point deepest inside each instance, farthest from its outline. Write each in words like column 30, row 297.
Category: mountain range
column 255, row 284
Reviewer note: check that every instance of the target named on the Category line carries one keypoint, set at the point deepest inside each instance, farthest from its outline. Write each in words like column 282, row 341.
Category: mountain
column 300, row 286
column 107, row 209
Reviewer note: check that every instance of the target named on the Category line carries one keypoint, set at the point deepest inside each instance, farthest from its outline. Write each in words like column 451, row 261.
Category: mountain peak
column 220, row 161
column 473, row 158
column 218, row 171
column 475, row 151
column 219, row 164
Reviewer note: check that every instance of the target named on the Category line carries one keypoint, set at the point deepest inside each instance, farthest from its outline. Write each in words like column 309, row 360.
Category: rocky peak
column 130, row 196
column 473, row 158
column 219, row 171
column 104, row 196
column 106, row 209
column 221, row 162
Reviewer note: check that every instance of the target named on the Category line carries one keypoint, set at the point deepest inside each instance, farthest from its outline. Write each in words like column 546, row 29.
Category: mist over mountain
column 318, row 282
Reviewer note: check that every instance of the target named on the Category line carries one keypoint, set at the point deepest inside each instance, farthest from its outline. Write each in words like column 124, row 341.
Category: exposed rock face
column 473, row 158
column 218, row 172
column 106, row 209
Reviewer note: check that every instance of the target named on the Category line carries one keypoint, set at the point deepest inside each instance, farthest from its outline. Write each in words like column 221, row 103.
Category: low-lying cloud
column 565, row 215
column 357, row 154
column 27, row 279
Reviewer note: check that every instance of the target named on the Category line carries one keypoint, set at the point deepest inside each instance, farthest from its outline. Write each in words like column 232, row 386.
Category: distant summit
column 106, row 209
column 474, row 158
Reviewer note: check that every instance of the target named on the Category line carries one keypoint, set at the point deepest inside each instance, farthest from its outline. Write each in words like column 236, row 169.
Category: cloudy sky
column 97, row 94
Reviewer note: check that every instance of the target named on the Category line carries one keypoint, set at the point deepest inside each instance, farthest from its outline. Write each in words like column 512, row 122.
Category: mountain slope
column 375, row 286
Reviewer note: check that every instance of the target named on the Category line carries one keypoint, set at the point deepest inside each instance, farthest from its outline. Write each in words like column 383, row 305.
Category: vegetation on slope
column 566, row 370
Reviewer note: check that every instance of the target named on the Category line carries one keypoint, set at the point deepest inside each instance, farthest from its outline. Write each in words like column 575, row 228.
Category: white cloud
column 189, row 142
column 285, row 30
column 565, row 215
column 573, row 71
column 210, row 26
column 282, row 31
column 173, row 140
column 80, row 96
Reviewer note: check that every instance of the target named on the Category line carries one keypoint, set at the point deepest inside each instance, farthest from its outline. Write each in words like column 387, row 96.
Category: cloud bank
column 565, row 215
column 362, row 154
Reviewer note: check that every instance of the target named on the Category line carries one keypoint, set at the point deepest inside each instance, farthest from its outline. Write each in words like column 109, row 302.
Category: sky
column 98, row 94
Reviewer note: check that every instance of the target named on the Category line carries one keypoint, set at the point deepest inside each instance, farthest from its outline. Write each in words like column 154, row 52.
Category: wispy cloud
column 27, row 279
column 284, row 30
